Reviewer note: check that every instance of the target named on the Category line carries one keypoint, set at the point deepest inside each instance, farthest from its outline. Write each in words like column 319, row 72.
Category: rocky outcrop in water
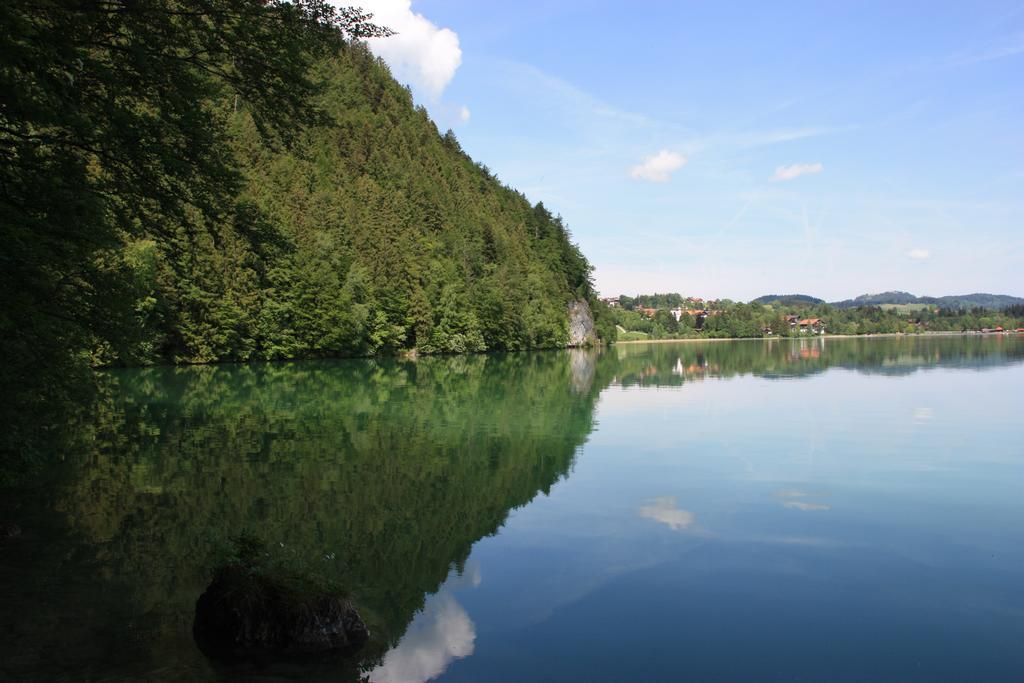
column 581, row 324
column 242, row 616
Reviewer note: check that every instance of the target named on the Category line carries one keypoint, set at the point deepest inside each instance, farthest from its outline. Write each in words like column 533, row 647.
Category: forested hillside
column 244, row 181
column 956, row 301
column 379, row 233
column 788, row 300
column 245, row 217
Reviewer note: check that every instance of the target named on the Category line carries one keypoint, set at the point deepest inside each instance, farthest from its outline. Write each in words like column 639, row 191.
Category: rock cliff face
column 581, row 324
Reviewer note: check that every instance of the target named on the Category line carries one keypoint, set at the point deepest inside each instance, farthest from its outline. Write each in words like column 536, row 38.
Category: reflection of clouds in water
column 441, row 633
column 472, row 573
column 801, row 505
column 923, row 414
column 810, row 541
column 664, row 510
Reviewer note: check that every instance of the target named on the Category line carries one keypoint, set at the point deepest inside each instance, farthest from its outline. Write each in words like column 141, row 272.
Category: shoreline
column 690, row 340
column 413, row 355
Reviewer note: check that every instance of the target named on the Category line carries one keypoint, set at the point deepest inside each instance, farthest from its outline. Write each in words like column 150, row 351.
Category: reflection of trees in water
column 395, row 467
column 675, row 364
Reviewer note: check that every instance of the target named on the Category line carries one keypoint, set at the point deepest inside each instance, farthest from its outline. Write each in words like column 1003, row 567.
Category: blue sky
column 734, row 150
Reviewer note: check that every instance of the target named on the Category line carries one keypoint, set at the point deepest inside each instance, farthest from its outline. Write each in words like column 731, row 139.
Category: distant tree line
column 725, row 318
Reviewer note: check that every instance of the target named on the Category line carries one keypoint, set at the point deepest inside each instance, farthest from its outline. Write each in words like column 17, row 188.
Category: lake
column 793, row 510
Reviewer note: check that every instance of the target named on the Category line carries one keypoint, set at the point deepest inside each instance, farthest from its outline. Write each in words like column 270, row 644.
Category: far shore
column 687, row 340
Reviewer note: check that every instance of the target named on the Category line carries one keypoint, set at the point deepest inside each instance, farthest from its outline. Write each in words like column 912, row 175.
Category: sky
column 739, row 149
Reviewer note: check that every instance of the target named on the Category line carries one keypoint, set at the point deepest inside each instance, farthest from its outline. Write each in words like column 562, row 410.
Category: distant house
column 649, row 312
column 694, row 313
column 812, row 326
column 611, row 301
column 699, row 315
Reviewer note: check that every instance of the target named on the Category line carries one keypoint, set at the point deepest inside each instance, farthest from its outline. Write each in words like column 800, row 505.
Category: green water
column 819, row 509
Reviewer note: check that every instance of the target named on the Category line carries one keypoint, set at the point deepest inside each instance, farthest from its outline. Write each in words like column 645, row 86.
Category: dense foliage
column 229, row 180
column 669, row 300
column 113, row 128
column 379, row 234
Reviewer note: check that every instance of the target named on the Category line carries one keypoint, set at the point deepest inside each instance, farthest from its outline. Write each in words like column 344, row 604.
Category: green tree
column 112, row 129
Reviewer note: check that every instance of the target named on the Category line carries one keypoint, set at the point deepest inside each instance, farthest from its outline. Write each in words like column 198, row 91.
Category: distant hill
column 953, row 301
column 788, row 300
column 878, row 299
column 991, row 301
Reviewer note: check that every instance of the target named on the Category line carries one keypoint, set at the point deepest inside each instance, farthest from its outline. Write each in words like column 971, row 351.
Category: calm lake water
column 809, row 510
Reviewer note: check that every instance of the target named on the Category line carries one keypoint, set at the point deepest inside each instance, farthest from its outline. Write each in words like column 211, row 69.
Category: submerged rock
column 243, row 615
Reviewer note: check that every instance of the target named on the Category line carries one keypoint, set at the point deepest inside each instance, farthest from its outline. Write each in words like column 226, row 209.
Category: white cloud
column 421, row 54
column 664, row 510
column 463, row 114
column 919, row 254
column 783, row 173
column 659, row 167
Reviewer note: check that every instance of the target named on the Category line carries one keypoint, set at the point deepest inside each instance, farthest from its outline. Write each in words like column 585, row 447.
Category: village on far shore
column 669, row 316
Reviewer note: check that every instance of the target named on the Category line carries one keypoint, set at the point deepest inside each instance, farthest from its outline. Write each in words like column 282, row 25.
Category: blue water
column 808, row 510
column 846, row 526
